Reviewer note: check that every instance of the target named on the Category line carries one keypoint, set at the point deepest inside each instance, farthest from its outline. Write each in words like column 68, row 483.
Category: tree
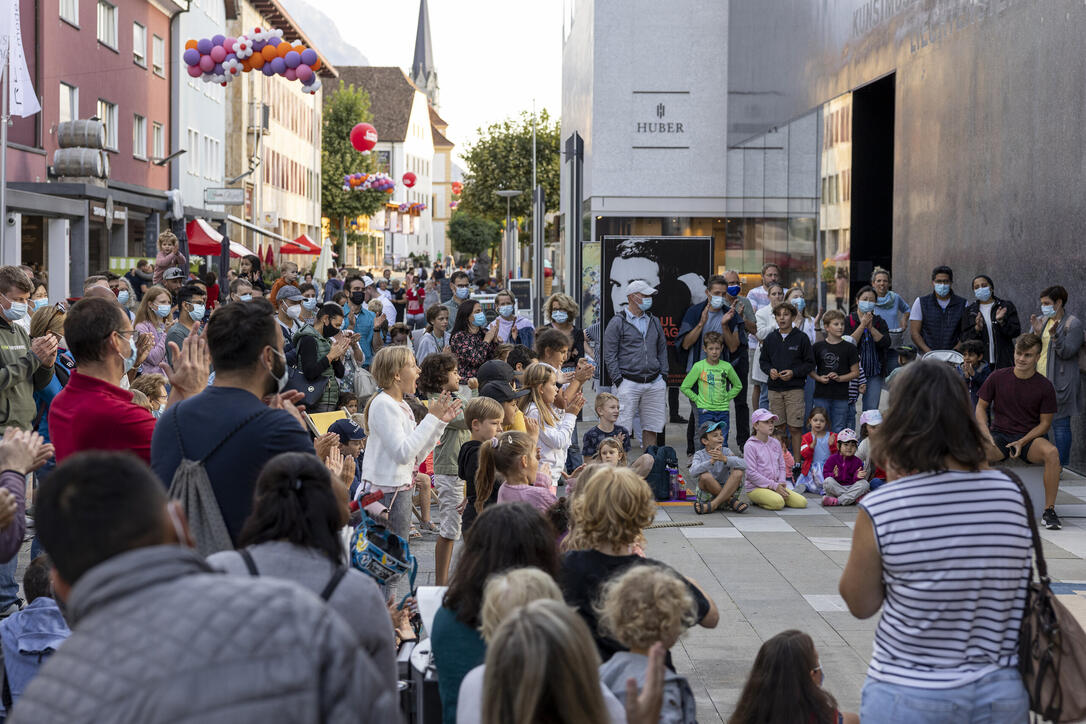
column 502, row 159
column 343, row 109
column 472, row 234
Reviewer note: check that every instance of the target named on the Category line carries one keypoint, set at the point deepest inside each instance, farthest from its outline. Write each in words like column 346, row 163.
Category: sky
column 493, row 57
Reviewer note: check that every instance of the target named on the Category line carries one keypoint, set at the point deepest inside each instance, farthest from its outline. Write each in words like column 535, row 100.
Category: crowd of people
column 184, row 491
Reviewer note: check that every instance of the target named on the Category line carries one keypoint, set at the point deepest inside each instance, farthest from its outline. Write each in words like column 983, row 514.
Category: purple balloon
column 274, row 41
column 204, row 46
column 218, row 69
column 231, row 56
column 311, row 79
column 206, row 63
column 309, row 56
column 218, row 39
column 305, row 74
column 258, row 45
column 266, row 69
column 279, row 66
column 293, row 59
column 191, row 56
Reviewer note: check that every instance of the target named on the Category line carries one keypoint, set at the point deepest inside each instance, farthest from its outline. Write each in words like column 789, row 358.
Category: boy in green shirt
column 717, row 384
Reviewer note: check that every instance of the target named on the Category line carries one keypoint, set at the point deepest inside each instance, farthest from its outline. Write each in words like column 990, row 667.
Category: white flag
column 22, row 100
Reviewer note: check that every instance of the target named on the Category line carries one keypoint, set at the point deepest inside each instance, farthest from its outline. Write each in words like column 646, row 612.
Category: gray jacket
column 679, row 705
column 626, row 352
column 158, row 636
column 1063, row 371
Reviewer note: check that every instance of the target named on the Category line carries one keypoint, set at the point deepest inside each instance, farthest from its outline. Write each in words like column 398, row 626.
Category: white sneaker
column 17, row 605
column 801, row 488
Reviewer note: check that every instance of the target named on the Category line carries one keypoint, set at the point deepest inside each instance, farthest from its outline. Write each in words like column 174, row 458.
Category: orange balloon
column 316, row 66
column 283, row 49
column 190, row 44
column 256, row 61
column 269, row 53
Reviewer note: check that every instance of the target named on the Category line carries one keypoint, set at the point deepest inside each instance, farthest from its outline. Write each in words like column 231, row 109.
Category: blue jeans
column 705, row 416
column 808, row 402
column 9, row 589
column 877, row 483
column 874, row 392
column 837, row 410
column 995, row 698
column 763, row 398
column 1061, row 438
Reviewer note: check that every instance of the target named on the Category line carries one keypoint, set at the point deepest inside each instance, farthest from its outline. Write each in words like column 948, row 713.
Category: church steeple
column 423, row 73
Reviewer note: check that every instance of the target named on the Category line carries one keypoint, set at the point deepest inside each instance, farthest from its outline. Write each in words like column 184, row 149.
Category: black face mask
column 330, row 330
column 278, row 369
column 357, row 298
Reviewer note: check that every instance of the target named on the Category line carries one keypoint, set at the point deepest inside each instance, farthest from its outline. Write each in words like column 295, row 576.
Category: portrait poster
column 677, row 266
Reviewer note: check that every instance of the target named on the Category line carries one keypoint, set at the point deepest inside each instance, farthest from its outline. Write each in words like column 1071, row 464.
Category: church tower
column 423, row 73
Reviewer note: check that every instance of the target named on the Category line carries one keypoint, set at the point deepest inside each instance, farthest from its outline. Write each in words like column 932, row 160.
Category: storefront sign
column 225, row 196
column 660, row 119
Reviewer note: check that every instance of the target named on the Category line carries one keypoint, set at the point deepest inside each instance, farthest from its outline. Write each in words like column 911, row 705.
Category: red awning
column 304, row 240
column 302, row 245
column 205, row 241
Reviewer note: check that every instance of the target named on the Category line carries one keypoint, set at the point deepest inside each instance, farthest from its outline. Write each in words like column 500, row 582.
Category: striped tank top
column 956, row 559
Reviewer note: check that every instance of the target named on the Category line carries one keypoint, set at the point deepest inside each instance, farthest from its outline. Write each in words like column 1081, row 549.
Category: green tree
column 343, row 109
column 471, row 234
column 502, row 159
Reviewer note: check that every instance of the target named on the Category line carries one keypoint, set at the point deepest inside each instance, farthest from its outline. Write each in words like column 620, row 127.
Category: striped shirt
column 956, row 559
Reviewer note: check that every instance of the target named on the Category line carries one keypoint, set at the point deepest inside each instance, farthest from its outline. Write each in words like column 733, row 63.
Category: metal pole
column 507, row 247
column 5, row 118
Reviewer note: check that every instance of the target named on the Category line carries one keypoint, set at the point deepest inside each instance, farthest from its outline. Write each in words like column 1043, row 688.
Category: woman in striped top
column 945, row 549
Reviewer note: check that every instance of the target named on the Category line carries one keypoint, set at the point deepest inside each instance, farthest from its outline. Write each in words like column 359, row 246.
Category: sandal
column 701, row 508
column 414, row 533
column 736, row 505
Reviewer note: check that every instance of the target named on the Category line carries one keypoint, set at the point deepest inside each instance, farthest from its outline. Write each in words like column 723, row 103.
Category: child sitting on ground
column 512, row 456
column 766, row 484
column 484, row 416
column 818, row 445
column 718, row 472
column 845, row 481
column 611, row 452
column 30, row 636
column 869, row 420
column 789, row 462
column 973, row 367
column 642, row 606
column 607, row 409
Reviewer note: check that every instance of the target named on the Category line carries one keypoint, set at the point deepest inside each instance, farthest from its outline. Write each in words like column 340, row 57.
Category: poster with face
column 677, row 266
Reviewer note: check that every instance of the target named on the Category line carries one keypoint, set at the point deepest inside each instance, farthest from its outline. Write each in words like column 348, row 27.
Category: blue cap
column 707, row 427
column 347, row 430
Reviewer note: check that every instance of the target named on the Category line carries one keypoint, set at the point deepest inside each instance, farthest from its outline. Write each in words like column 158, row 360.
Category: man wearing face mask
column 321, row 347
column 126, row 573
column 243, row 419
column 635, row 355
column 25, row 366
column 461, row 290
column 289, row 312
column 362, row 321
column 936, row 319
column 92, row 412
column 191, row 307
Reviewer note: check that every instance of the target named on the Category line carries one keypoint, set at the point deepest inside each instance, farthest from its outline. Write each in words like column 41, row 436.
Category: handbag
column 312, row 390
column 1051, row 644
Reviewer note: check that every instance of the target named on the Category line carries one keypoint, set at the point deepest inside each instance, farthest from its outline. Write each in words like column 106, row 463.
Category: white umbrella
column 324, row 262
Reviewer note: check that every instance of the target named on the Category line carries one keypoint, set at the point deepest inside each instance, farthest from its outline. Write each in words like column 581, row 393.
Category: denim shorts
column 995, row 698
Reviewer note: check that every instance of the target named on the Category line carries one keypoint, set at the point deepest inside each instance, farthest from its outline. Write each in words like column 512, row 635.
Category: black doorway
column 872, row 242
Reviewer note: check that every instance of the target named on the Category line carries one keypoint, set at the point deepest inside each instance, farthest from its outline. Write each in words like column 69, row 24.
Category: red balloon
column 363, row 137
column 409, row 179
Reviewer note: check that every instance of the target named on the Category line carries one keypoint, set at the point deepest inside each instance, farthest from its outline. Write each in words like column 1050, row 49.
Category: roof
column 278, row 17
column 440, row 140
column 423, row 64
column 436, row 120
column 392, row 95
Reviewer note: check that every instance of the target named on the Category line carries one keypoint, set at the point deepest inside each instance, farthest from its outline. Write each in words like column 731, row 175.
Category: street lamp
column 507, row 246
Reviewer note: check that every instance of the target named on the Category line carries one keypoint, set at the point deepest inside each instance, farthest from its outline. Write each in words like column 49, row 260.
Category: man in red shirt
column 1023, row 404
column 92, row 412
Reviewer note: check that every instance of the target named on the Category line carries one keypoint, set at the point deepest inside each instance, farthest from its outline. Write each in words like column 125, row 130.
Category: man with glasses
column 461, row 289
column 191, row 307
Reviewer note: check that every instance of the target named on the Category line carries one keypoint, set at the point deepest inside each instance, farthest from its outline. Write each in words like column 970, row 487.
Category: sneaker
column 1051, row 520
column 829, row 500
column 16, row 605
column 801, row 488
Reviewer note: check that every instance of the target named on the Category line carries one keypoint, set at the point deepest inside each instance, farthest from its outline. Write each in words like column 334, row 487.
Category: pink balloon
column 194, row 71
column 218, row 54
column 304, row 73
column 229, row 44
column 206, row 63
column 290, row 74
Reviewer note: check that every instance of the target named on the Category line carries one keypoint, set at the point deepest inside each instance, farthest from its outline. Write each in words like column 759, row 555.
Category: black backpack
column 658, row 478
column 329, row 588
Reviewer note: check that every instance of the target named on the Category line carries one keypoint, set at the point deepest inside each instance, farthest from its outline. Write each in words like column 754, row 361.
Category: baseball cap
column 174, row 272
column 871, row 417
column 907, row 351
column 347, row 430
column 501, row 391
column 762, row 414
column 640, row 287
column 494, row 370
column 288, row 293
column 367, row 281
column 846, row 435
column 706, row 427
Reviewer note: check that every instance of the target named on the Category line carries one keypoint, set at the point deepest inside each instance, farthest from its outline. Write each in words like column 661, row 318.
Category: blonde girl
column 512, row 456
column 612, row 452
column 395, row 445
column 168, row 256
column 556, row 425
column 154, row 317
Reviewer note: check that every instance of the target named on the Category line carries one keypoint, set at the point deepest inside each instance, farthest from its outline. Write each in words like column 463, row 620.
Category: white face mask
column 294, row 311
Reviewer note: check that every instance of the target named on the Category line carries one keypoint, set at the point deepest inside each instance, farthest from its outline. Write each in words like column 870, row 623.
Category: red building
column 87, row 58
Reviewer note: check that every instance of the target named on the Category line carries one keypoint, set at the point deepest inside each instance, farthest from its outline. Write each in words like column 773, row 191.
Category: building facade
column 445, row 174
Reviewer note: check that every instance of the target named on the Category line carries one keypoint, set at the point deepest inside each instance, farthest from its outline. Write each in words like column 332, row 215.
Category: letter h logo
column 660, row 110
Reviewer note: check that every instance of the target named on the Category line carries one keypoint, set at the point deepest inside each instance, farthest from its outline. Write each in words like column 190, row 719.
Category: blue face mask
column 122, row 296
column 197, row 312
column 733, row 291
column 246, row 297
column 716, row 302
column 39, row 303
column 310, row 303
column 16, row 311
column 865, row 307
column 983, row 294
column 942, row 290
column 559, row 317
column 506, row 310
column 1048, row 310
column 462, row 292
column 163, row 310
column 479, row 318
column 646, row 304
column 130, row 360
column 800, row 303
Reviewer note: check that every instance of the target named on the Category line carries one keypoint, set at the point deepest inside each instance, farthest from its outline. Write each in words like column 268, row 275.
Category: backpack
column 659, row 479
column 325, row 594
column 191, row 486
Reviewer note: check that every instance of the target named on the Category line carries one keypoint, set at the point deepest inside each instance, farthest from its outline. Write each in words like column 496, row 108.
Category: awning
column 204, row 240
column 304, row 240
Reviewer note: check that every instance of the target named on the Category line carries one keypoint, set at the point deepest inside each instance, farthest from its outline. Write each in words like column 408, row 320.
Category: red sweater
column 807, row 448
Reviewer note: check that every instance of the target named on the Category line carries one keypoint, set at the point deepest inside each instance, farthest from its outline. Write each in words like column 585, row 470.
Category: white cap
column 871, row 417
column 367, row 281
column 637, row 286
column 846, row 435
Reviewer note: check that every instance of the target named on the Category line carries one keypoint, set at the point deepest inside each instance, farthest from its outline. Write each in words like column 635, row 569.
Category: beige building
column 443, row 178
column 273, row 140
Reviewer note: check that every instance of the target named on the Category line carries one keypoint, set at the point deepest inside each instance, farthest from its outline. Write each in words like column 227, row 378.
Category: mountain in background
column 323, row 31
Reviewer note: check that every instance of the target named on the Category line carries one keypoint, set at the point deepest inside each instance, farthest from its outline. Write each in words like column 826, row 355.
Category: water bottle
column 673, row 481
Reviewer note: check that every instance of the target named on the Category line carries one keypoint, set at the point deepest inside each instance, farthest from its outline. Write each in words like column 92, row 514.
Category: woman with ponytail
column 513, row 457
column 293, row 534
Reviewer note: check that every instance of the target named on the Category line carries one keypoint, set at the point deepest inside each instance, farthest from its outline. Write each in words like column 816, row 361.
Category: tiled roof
column 391, row 93
column 440, row 141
